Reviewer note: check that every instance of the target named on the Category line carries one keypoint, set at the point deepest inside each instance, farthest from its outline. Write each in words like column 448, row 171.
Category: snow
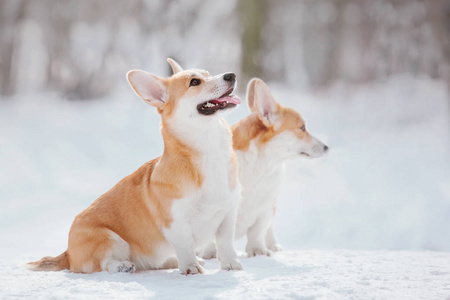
column 340, row 274
column 382, row 193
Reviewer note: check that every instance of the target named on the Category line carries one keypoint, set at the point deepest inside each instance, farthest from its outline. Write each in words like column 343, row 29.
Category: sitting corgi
column 263, row 141
column 173, row 204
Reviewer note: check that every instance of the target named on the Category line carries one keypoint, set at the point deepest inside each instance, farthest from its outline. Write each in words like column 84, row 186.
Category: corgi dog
column 160, row 215
column 263, row 141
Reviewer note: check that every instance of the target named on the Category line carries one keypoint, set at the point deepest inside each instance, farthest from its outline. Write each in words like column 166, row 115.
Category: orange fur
column 89, row 238
column 60, row 262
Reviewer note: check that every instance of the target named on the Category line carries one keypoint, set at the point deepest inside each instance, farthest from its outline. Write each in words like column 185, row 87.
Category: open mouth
column 223, row 102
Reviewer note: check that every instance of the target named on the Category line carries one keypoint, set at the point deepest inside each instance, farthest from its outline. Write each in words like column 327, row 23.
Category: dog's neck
column 200, row 136
column 195, row 151
column 261, row 159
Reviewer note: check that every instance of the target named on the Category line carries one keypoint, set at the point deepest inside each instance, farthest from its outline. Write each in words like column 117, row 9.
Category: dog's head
column 190, row 94
column 282, row 130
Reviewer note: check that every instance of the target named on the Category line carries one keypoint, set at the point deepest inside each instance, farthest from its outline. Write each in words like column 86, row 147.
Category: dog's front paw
column 251, row 251
column 192, row 269
column 276, row 247
column 233, row 264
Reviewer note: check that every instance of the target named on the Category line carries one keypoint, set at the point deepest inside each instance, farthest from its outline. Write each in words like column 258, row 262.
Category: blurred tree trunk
column 439, row 18
column 252, row 15
column 58, row 41
column 11, row 15
column 332, row 67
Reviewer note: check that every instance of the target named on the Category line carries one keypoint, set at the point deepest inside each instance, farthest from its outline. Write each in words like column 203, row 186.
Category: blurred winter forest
column 82, row 49
column 370, row 77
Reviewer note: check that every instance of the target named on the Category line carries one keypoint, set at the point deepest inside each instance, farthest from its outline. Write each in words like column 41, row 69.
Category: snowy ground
column 289, row 275
column 384, row 185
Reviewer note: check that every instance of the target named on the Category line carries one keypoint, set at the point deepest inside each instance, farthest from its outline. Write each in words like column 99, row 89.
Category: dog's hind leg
column 94, row 249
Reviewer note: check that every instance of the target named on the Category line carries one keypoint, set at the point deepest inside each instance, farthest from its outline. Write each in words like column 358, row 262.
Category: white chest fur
column 199, row 214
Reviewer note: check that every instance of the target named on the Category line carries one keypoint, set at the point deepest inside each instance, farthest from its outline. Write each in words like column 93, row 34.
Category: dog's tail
column 48, row 263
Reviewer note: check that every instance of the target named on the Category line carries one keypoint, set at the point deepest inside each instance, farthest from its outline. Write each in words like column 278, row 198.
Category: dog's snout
column 325, row 148
column 229, row 77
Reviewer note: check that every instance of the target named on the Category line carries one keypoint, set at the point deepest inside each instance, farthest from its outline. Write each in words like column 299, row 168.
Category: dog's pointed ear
column 265, row 105
column 251, row 94
column 151, row 88
column 175, row 66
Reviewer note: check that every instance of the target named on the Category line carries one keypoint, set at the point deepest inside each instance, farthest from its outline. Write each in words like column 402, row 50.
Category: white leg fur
column 256, row 236
column 170, row 263
column 200, row 261
column 271, row 241
column 181, row 237
column 209, row 252
column 224, row 238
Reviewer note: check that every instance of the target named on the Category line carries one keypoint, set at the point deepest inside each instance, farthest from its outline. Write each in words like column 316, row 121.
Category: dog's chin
column 307, row 155
column 310, row 156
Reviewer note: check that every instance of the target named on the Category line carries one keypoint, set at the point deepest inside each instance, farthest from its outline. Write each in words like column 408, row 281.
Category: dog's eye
column 303, row 128
column 195, row 82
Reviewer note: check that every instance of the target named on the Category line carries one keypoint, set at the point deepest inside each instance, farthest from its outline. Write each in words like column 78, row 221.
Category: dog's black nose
column 325, row 148
column 229, row 77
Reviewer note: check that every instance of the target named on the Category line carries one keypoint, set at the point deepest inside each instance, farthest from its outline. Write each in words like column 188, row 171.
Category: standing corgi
column 175, row 203
column 263, row 141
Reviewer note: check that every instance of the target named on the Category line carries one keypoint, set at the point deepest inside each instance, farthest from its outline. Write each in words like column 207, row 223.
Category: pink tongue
column 230, row 98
